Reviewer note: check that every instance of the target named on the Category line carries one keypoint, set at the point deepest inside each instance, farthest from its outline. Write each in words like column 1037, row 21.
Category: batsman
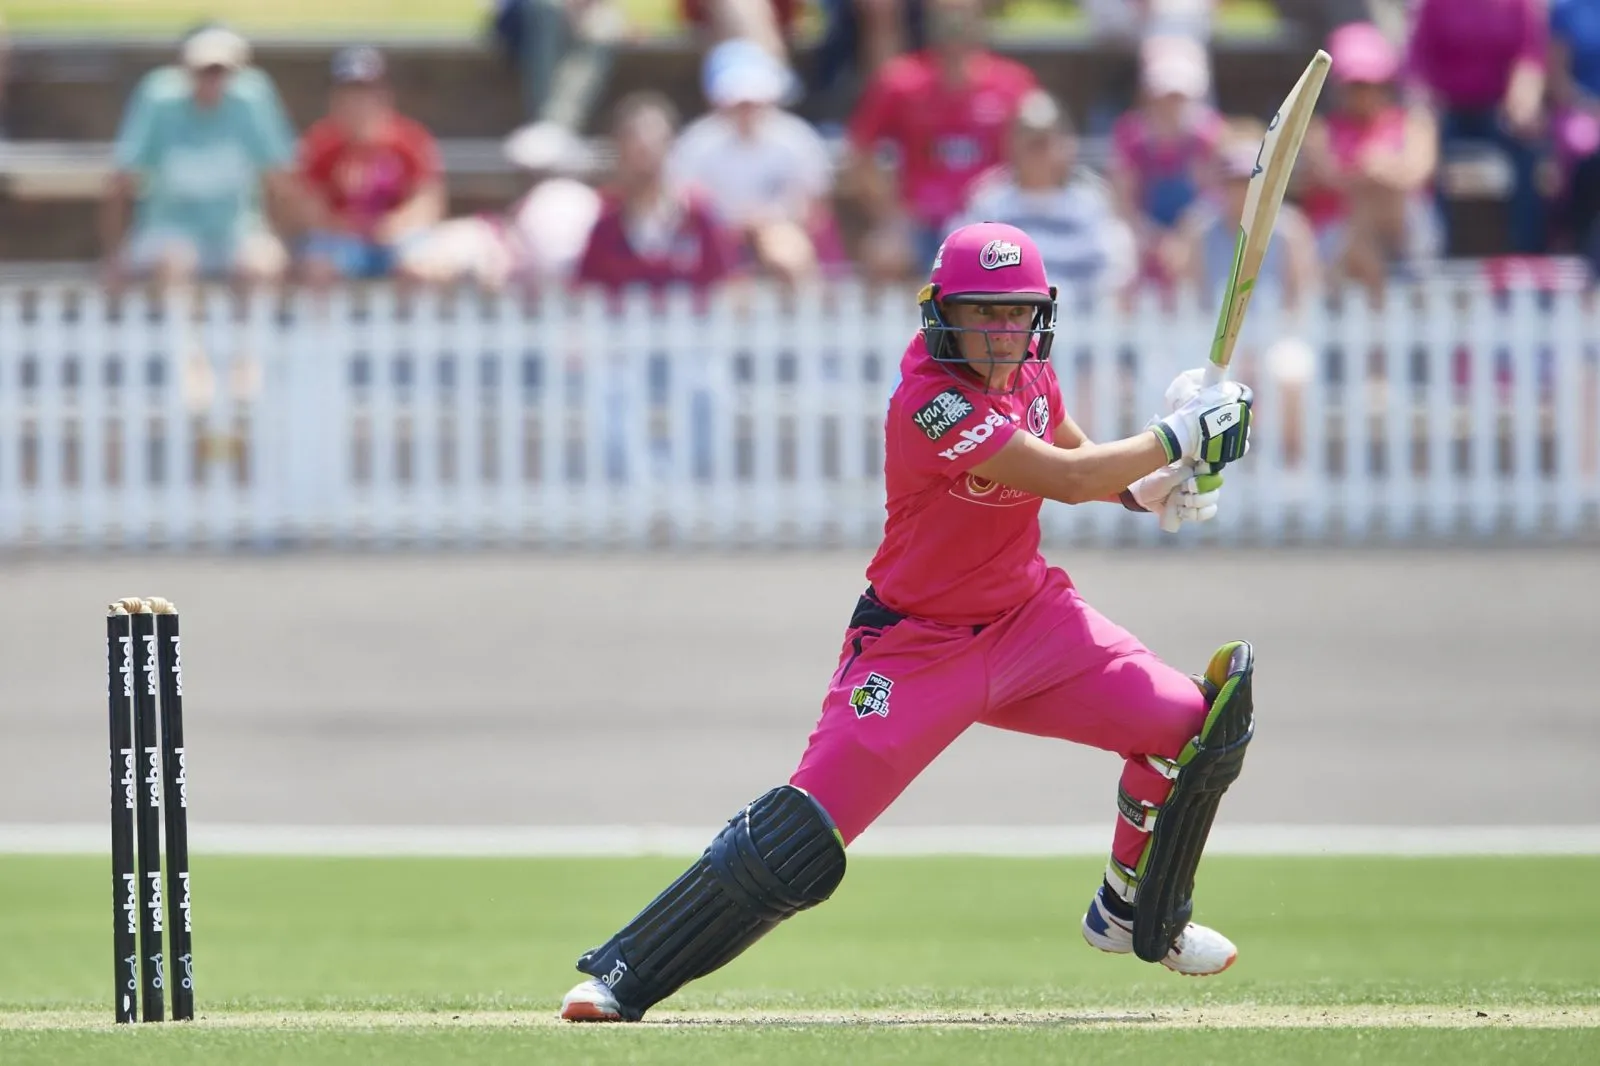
column 964, row 623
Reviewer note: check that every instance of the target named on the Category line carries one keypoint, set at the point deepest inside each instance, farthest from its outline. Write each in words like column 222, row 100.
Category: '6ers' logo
column 1039, row 417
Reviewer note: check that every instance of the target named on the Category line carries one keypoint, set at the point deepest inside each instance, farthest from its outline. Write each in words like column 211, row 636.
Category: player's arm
column 1075, row 474
column 1212, row 427
column 1070, row 435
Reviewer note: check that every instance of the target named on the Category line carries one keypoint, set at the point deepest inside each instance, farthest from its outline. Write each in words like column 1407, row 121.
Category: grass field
column 460, row 17
column 914, row 961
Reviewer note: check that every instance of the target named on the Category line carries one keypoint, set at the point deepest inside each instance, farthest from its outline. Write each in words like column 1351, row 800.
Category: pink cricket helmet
column 987, row 262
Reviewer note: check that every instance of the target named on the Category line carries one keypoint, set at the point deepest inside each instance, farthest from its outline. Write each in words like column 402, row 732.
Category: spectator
column 1201, row 258
column 1575, row 92
column 765, row 172
column 1159, row 150
column 1066, row 210
column 1202, row 253
column 1480, row 64
column 1366, row 168
column 562, row 50
column 196, row 144
column 650, row 232
column 539, row 241
column 860, row 36
column 769, row 23
column 5, row 55
column 938, row 119
column 372, row 175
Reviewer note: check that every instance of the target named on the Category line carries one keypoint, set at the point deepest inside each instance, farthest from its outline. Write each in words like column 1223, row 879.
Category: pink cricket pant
column 1053, row 667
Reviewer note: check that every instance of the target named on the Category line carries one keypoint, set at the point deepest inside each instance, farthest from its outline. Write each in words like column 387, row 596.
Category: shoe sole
column 581, row 1011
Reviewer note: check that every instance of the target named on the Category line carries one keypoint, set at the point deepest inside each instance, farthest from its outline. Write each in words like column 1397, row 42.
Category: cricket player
column 963, row 622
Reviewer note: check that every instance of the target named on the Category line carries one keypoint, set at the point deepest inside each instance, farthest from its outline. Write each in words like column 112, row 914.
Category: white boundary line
column 624, row 841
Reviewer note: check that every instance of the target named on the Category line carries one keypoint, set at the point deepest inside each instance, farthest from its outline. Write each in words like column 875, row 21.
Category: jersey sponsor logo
column 1039, row 416
column 997, row 254
column 971, row 438
column 975, row 489
column 939, row 415
column 872, row 696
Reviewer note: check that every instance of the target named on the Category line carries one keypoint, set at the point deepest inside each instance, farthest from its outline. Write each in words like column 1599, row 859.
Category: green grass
column 409, row 939
column 459, row 17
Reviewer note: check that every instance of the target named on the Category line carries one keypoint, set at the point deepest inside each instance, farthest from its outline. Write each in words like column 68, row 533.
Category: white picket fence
column 446, row 419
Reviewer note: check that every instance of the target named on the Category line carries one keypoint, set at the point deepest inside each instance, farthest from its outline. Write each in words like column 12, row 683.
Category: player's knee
column 781, row 855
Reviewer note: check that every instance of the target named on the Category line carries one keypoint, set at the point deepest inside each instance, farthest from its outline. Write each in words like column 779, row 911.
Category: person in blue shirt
column 198, row 143
column 1575, row 92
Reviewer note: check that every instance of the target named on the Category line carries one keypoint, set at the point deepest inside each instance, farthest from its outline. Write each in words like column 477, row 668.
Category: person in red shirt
column 373, row 174
column 964, row 623
column 650, row 233
column 929, row 124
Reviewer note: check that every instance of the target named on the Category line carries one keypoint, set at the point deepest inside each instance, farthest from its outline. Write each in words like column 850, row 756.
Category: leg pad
column 777, row 857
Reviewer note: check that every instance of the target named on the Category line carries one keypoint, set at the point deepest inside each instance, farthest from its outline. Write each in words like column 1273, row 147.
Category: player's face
column 996, row 337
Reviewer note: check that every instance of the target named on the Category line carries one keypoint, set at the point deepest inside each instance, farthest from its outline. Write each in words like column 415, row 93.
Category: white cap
column 1176, row 65
column 215, row 47
column 742, row 72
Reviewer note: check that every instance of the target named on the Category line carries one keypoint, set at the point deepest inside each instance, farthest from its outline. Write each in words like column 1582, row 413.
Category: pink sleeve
column 1420, row 48
column 1535, row 34
column 944, row 428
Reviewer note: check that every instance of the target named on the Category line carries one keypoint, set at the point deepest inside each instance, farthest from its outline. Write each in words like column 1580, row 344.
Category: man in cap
column 373, row 176
column 197, row 144
column 763, row 171
column 1066, row 209
column 927, row 126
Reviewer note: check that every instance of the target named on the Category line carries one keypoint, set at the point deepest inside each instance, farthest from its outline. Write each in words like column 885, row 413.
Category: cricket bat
column 1274, row 165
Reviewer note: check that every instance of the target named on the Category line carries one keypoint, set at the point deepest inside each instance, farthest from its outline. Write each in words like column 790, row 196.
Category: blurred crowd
column 212, row 180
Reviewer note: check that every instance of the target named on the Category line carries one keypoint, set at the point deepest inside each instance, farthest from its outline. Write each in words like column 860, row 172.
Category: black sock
column 1115, row 904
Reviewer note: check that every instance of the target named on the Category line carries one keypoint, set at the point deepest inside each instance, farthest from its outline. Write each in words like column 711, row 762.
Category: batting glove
column 1212, row 427
column 1191, row 497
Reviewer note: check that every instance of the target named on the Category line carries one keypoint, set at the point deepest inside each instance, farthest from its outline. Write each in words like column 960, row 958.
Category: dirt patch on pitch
column 1232, row 1016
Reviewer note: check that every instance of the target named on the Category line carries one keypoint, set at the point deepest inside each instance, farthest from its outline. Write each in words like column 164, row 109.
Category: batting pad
column 1205, row 768
column 777, row 857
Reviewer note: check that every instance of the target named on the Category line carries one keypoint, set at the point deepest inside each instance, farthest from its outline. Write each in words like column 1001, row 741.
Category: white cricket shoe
column 1199, row 951
column 591, row 1001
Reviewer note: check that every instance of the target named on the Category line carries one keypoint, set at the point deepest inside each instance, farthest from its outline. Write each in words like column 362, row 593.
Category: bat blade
column 1274, row 165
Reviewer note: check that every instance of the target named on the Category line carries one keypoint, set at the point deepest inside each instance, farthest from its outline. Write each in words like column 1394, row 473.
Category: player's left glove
column 1192, row 497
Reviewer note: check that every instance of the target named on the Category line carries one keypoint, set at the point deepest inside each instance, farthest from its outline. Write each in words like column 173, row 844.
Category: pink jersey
column 958, row 548
column 1165, row 172
column 1349, row 141
column 945, row 135
column 1464, row 50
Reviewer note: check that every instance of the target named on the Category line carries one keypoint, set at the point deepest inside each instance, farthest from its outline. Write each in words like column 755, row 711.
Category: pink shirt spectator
column 1350, row 140
column 957, row 547
column 1465, row 50
column 1166, row 170
column 945, row 135
column 680, row 245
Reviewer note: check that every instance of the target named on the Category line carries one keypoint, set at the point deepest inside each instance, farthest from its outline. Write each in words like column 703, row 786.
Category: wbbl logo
column 872, row 696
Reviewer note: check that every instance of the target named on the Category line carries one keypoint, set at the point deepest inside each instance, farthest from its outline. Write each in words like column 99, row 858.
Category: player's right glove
column 1211, row 427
